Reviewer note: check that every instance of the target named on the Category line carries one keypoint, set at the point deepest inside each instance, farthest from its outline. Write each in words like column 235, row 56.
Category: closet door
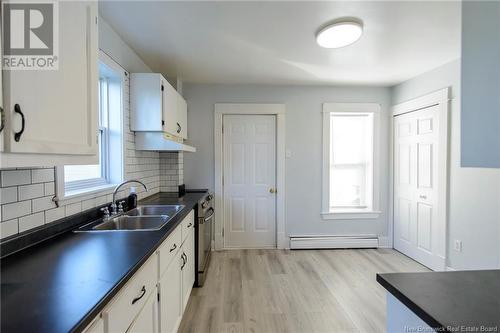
column 416, row 226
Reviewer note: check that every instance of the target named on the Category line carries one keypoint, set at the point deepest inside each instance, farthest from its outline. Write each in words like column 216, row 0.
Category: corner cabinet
column 154, row 299
column 51, row 116
column 156, row 106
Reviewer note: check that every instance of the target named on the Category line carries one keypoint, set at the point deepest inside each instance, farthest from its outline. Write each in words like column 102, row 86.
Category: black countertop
column 60, row 285
column 449, row 300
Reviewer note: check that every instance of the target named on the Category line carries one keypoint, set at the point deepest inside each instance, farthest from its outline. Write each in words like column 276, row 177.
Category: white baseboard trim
column 450, row 269
column 333, row 242
column 383, row 242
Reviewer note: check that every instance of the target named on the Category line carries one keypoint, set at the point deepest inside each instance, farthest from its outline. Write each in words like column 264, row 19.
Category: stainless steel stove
column 204, row 230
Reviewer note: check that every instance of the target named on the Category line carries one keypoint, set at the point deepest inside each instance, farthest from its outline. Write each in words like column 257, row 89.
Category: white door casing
column 420, row 155
column 222, row 109
column 249, row 181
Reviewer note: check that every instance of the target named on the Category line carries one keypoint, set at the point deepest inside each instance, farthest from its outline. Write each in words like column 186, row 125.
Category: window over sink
column 82, row 179
column 350, row 160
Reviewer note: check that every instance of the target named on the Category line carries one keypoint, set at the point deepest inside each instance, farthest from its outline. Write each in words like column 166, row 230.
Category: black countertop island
column 61, row 284
column 461, row 301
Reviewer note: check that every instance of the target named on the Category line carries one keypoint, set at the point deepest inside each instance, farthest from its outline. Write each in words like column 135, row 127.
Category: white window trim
column 97, row 186
column 350, row 213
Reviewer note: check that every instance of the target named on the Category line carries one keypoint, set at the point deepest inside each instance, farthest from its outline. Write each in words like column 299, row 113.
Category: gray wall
column 474, row 193
column 303, row 138
column 481, row 84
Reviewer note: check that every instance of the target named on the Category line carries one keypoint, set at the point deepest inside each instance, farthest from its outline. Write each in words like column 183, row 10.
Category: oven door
column 205, row 232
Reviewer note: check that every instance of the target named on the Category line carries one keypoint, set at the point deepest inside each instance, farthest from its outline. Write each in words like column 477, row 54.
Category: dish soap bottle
column 132, row 198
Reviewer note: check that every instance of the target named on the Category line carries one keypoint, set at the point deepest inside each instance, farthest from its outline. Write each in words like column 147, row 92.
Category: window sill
column 88, row 191
column 351, row 215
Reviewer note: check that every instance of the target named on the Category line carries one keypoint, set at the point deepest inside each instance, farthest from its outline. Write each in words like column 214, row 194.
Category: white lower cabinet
column 187, row 269
column 147, row 320
column 171, row 296
column 154, row 299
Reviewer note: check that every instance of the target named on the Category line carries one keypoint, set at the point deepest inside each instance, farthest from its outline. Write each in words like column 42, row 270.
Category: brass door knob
column 273, row 190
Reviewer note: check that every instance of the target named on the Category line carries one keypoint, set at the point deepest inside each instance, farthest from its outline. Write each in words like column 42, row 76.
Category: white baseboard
column 383, row 242
column 449, row 269
column 333, row 242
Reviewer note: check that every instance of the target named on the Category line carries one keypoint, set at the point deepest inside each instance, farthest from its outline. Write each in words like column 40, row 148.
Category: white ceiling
column 274, row 42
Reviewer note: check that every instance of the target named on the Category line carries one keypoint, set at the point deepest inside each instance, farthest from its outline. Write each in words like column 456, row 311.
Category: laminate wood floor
column 294, row 291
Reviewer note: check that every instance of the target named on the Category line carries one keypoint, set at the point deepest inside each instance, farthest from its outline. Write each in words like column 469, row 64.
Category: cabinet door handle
column 189, row 225
column 179, row 128
column 17, row 135
column 183, row 261
column 143, row 292
column 2, row 119
column 173, row 247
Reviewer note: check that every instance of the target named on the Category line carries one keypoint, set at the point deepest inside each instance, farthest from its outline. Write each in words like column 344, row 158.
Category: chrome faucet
column 114, row 209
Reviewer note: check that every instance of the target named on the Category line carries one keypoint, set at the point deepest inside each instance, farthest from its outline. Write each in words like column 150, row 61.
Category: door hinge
column 222, row 128
column 222, row 180
column 162, row 88
column 222, row 232
column 158, row 296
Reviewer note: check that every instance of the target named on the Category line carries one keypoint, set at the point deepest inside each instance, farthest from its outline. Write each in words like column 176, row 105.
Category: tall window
column 349, row 143
column 79, row 179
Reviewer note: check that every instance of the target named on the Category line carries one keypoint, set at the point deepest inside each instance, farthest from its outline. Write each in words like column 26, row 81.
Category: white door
column 249, row 181
column 59, row 107
column 418, row 232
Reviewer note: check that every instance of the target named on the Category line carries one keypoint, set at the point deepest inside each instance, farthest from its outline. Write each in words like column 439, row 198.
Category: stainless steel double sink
column 142, row 218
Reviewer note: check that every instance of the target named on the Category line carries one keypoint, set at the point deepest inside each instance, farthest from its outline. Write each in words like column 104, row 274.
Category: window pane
column 349, row 138
column 347, row 187
column 81, row 172
column 351, row 171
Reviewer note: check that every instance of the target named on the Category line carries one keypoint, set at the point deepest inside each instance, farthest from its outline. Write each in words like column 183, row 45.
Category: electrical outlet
column 457, row 245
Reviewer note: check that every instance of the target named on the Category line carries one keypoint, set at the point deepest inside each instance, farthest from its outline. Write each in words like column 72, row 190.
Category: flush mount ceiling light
column 340, row 33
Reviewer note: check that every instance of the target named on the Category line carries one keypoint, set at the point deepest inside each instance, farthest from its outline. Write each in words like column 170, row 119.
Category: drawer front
column 168, row 249
column 124, row 307
column 187, row 225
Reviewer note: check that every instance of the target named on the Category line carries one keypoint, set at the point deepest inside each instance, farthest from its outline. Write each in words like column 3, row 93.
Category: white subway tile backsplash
column 8, row 195
column 16, row 209
column 87, row 204
column 30, row 191
column 31, row 221
column 43, row 203
column 73, row 209
column 49, row 188
column 9, row 228
column 42, row 175
column 52, row 215
column 15, row 177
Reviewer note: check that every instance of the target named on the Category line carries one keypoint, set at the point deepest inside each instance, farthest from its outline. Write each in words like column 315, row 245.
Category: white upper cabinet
column 170, row 109
column 146, row 100
column 182, row 117
column 56, row 111
column 156, row 106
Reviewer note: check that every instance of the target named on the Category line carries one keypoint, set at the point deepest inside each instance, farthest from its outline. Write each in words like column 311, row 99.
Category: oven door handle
column 209, row 217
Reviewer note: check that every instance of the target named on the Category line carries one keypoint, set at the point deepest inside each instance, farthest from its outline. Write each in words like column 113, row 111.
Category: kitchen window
column 82, row 179
column 350, row 188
